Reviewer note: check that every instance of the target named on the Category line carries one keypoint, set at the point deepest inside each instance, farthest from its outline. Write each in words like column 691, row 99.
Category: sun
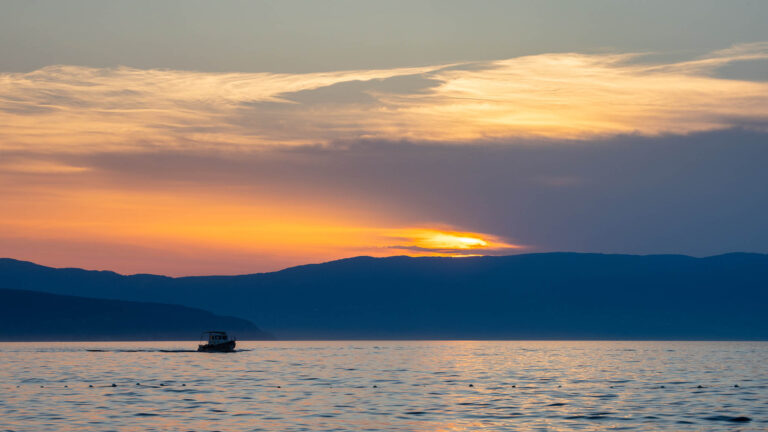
column 445, row 242
column 440, row 240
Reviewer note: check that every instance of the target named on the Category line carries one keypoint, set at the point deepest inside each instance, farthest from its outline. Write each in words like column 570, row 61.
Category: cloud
column 587, row 152
column 204, row 210
column 553, row 96
column 37, row 166
column 709, row 63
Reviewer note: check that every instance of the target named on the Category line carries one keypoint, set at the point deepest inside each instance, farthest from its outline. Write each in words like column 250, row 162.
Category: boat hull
column 228, row 346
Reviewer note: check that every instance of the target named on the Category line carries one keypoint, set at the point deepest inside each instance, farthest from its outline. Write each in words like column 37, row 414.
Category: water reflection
column 424, row 386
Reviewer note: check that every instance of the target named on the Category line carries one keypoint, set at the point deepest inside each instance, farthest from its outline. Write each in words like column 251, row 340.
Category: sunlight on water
column 414, row 386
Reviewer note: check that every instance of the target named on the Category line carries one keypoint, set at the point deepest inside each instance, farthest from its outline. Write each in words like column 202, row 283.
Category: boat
column 218, row 341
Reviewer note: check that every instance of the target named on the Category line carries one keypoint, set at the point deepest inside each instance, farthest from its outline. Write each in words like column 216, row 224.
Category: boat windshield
column 215, row 337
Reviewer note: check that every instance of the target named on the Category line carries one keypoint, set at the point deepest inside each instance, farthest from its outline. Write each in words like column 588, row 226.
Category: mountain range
column 527, row 296
column 37, row 316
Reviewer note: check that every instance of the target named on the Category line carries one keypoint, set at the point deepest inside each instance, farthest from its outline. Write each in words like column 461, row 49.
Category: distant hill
column 532, row 296
column 36, row 316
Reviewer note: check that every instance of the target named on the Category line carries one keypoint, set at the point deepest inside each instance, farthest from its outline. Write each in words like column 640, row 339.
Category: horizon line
column 389, row 257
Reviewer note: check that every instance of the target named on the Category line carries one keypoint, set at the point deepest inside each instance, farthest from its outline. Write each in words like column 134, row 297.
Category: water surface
column 409, row 386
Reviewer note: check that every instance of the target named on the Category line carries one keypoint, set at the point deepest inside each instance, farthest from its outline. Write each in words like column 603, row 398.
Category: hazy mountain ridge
column 38, row 316
column 553, row 295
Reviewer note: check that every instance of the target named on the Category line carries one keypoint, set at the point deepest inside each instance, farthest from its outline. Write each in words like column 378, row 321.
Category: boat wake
column 152, row 350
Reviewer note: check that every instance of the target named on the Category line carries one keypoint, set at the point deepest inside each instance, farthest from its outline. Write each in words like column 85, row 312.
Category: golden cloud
column 79, row 109
column 53, row 119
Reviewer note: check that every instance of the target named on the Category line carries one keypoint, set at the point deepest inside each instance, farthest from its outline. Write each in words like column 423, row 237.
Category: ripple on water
column 413, row 386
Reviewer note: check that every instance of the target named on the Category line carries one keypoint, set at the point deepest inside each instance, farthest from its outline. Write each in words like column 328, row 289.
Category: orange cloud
column 53, row 114
column 37, row 166
column 70, row 108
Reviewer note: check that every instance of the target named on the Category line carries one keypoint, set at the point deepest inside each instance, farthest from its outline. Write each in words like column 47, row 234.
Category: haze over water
column 393, row 385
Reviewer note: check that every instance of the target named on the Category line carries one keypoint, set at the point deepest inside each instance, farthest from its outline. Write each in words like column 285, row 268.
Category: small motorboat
column 218, row 341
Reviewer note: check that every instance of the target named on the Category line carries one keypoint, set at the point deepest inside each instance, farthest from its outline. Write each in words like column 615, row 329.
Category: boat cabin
column 216, row 337
column 216, row 341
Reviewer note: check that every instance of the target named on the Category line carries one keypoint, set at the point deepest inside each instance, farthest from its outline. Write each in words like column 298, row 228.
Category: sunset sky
column 196, row 137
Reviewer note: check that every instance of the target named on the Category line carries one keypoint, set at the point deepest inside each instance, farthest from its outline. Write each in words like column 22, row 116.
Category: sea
column 385, row 386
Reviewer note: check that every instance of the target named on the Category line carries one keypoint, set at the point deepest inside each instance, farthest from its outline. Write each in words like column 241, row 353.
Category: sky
column 193, row 137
